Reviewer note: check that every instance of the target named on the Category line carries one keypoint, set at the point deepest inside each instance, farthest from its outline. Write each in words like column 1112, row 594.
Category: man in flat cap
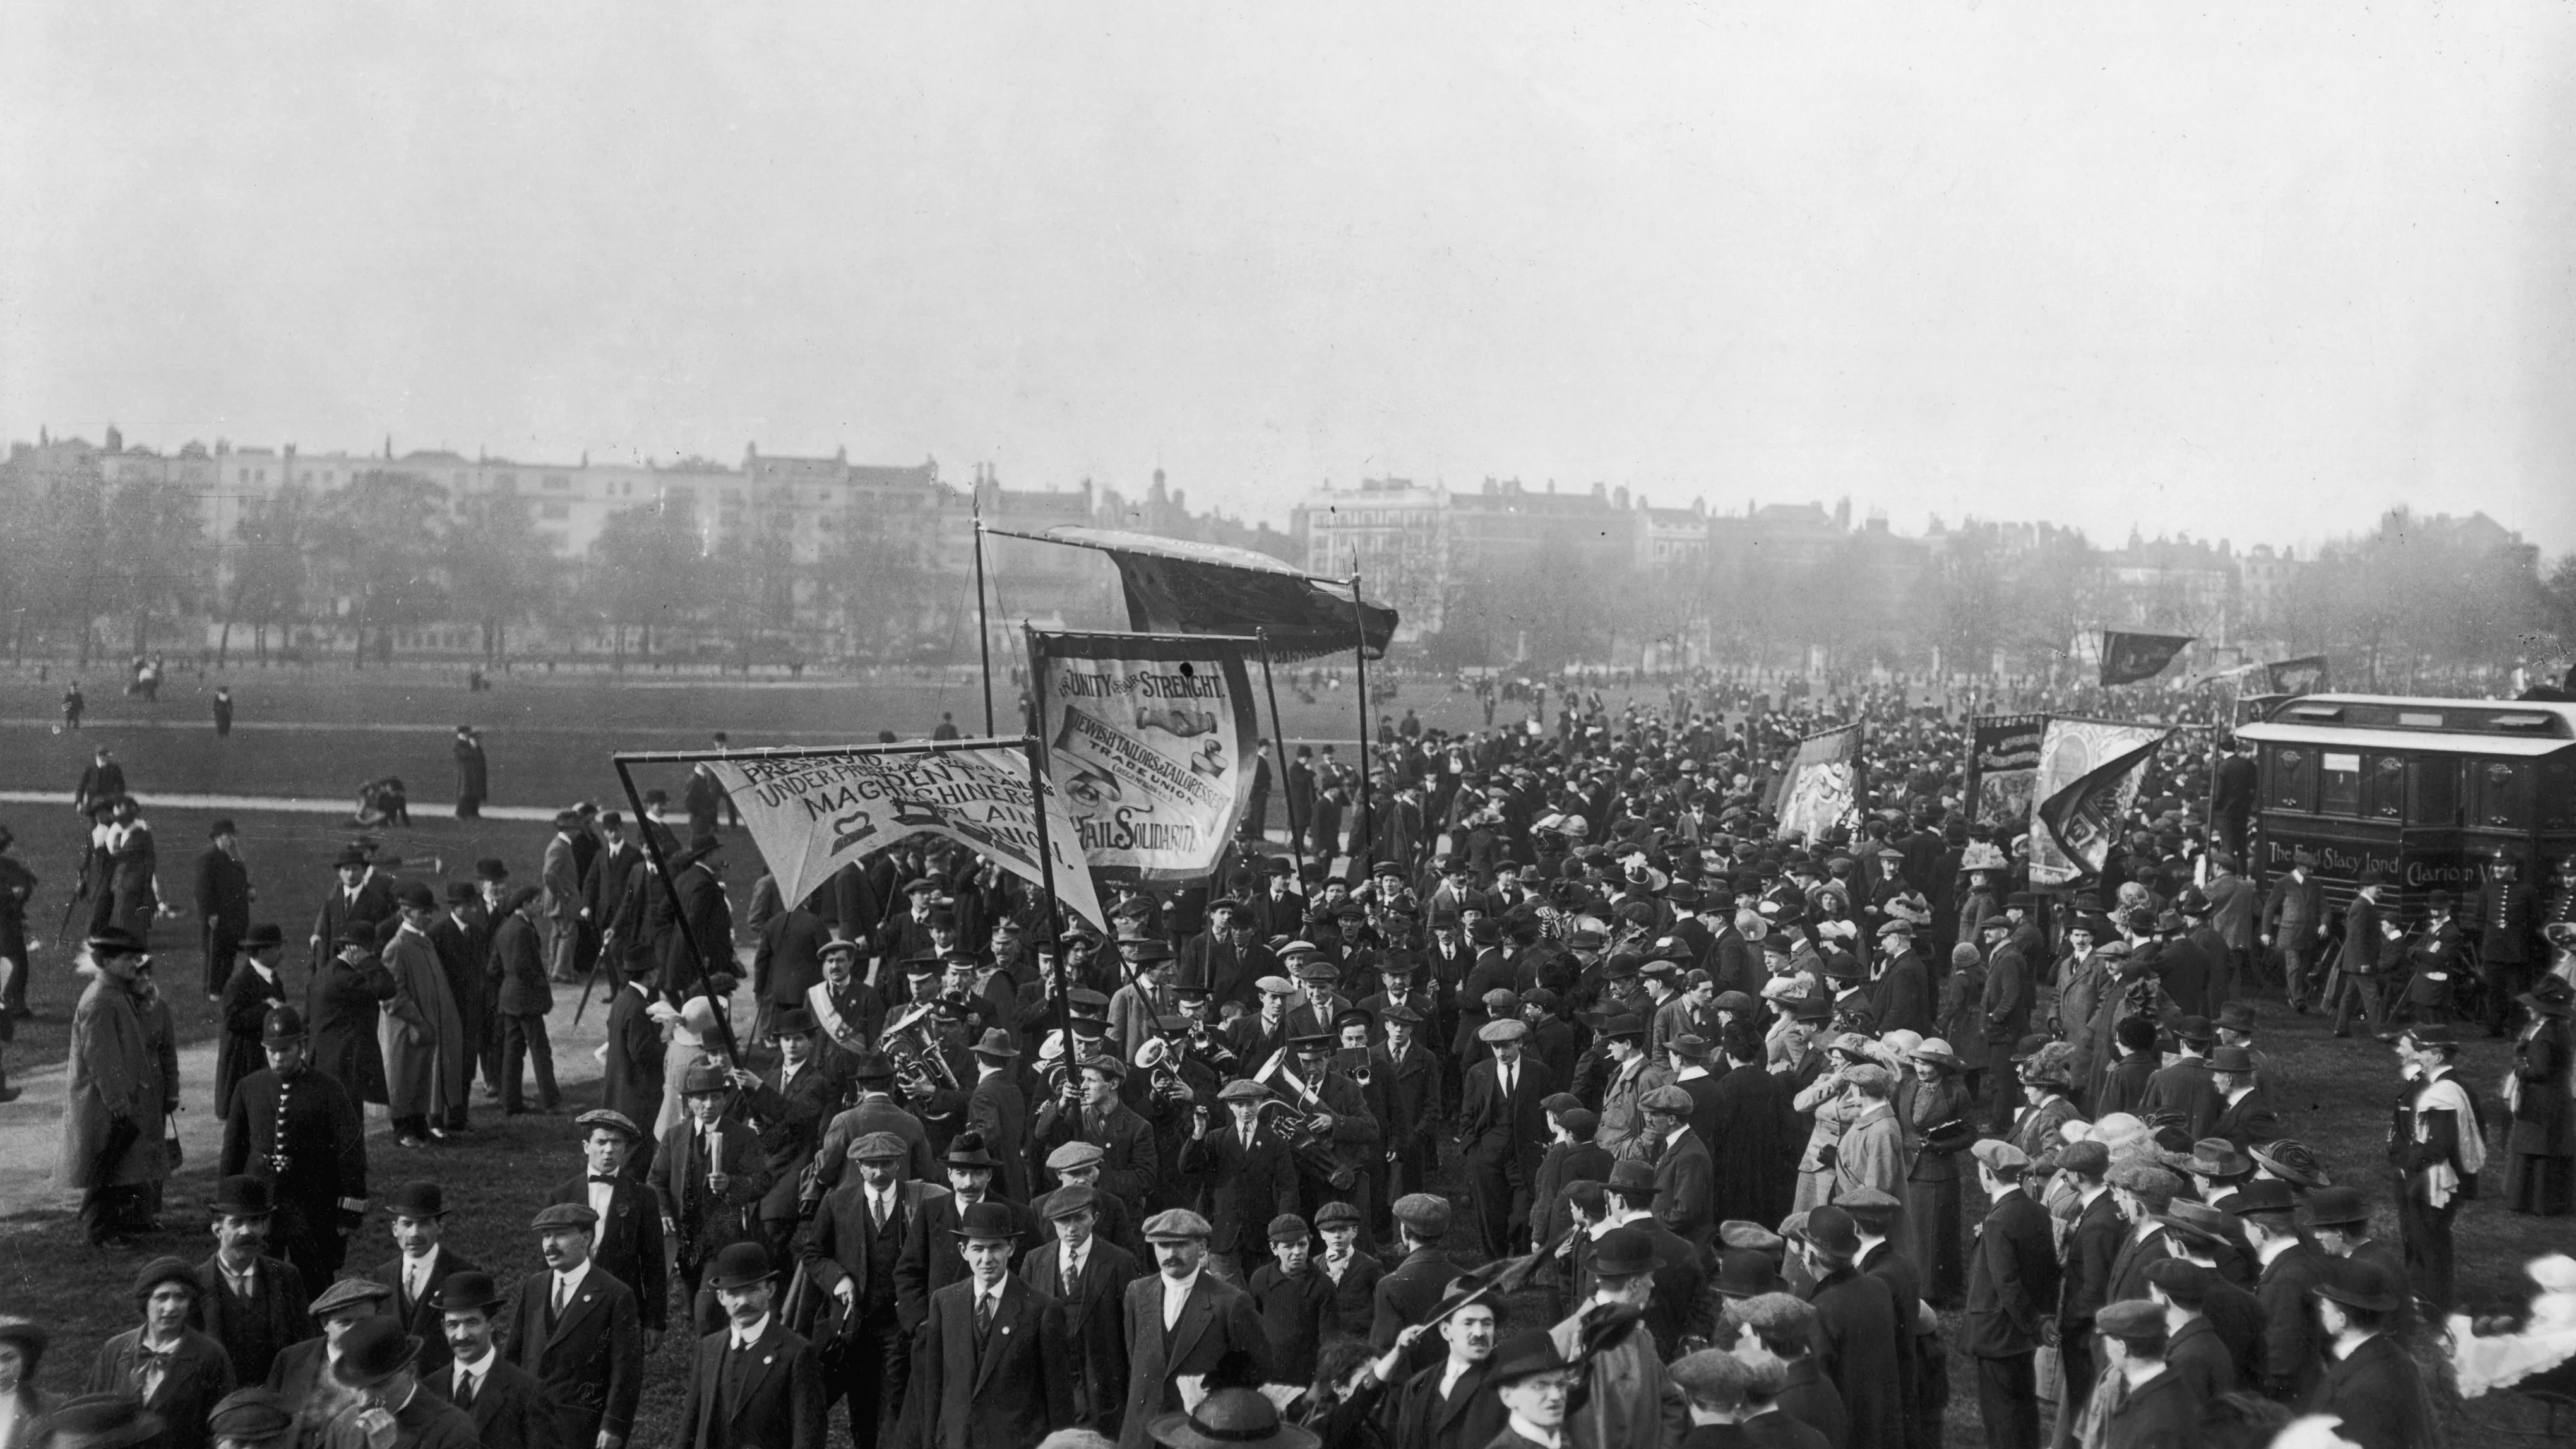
column 1408, row 1292
column 298, row 1132
column 578, row 1332
column 1088, row 1274
column 2154, row 1405
column 1503, row 1122
column 2092, row 1249
column 851, row 1256
column 1242, row 1165
column 2012, row 1289
column 251, row 1418
column 1685, row 1174
column 1182, row 1321
column 507, row 1406
column 301, row 1373
column 628, row 1241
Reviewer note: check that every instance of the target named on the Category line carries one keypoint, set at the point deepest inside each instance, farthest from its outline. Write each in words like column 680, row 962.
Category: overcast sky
column 2258, row 271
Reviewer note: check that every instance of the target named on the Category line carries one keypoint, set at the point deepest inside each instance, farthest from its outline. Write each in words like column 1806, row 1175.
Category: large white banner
column 1152, row 740
column 2070, row 750
column 811, row 814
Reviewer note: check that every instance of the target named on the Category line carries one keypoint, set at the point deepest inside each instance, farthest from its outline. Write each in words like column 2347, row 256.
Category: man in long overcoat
column 116, row 1097
column 421, row 1033
column 222, row 896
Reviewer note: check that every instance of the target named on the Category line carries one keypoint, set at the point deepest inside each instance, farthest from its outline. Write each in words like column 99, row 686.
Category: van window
column 2503, row 793
column 2291, row 782
column 2435, row 796
column 2340, row 779
column 2383, row 788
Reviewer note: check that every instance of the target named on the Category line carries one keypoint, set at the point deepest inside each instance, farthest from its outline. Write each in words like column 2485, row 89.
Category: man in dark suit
column 754, row 1384
column 223, row 896
column 1447, row 1404
column 1088, row 1275
column 788, row 1104
column 508, row 1406
column 1244, row 1170
column 2091, row 1250
column 2293, row 922
column 1904, row 1000
column 603, row 889
column 709, row 1171
column 2373, row 1385
column 632, row 1083
column 1503, row 1120
column 298, row 1131
column 2152, row 1404
column 462, row 935
column 249, row 1302
column 863, row 1334
column 1685, row 1175
column 993, row 1366
column 1409, row 1291
column 2294, row 1349
column 2012, row 1284
column 705, row 917
column 1183, row 1320
column 996, row 1108
column 361, row 898
column 930, row 1260
column 627, row 1242
column 787, row 962
column 423, row 1262
column 1857, row 1335
column 2247, row 1118
column 102, row 780
column 575, row 1330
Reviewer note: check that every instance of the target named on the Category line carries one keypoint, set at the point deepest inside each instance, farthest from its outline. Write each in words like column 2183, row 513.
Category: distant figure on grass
column 102, row 781
column 473, row 781
column 382, row 802
column 134, row 880
column 223, row 895
column 947, row 727
column 75, row 704
column 17, row 885
column 223, row 711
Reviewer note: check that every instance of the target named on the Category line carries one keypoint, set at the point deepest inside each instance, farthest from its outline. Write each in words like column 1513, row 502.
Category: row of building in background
column 1420, row 547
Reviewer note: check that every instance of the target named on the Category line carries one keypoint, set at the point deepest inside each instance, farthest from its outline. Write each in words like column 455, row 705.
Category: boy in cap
column 379, row 1364
column 249, row 1302
column 507, row 1406
column 177, row 1372
column 1353, row 1272
column 1295, row 1299
column 576, row 1330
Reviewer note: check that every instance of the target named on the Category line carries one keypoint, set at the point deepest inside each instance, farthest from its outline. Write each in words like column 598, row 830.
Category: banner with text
column 812, row 813
column 2088, row 777
column 2003, row 762
column 1153, row 740
column 1822, row 787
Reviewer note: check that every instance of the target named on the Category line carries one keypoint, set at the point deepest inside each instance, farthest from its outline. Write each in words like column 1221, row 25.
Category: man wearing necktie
column 575, row 1328
column 1504, row 1124
column 419, row 1266
column 994, row 1367
column 708, row 1172
column 1088, row 1275
column 247, row 1301
column 506, row 1404
column 754, row 1384
column 858, row 1237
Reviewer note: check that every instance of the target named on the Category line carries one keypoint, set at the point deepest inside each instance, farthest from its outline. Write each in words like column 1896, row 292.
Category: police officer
column 299, row 1131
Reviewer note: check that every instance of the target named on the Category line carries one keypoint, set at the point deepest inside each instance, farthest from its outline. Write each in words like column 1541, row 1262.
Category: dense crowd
column 1576, row 1110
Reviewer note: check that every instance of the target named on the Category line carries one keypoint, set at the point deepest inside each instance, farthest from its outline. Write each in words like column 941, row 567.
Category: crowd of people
column 1578, row 1110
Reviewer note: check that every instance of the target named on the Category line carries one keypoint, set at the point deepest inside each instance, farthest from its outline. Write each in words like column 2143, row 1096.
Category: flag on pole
column 2075, row 823
column 2003, row 761
column 813, row 811
column 1177, row 587
column 2128, row 658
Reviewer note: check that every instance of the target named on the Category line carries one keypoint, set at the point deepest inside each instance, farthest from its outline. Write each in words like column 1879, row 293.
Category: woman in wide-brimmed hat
column 1943, row 1121
column 2540, row 1168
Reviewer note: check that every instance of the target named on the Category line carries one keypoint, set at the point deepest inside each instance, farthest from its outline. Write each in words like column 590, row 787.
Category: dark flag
column 2003, row 764
column 2084, row 818
column 2128, row 658
column 1178, row 587
column 2298, row 676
